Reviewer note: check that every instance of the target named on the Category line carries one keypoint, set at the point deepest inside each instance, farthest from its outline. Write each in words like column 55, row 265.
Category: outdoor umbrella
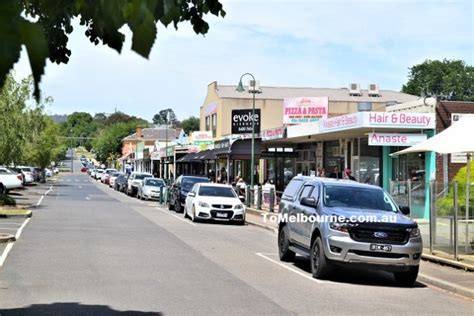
column 454, row 139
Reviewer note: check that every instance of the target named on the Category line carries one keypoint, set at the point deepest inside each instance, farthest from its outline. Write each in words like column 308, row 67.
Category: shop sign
column 400, row 119
column 304, row 109
column 274, row 133
column 223, row 143
column 392, row 139
column 242, row 121
column 169, row 151
column 139, row 150
column 459, row 157
column 340, row 122
column 155, row 155
column 202, row 137
column 210, row 108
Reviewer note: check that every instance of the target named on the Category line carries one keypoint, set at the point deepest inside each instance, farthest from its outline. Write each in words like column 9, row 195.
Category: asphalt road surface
column 90, row 250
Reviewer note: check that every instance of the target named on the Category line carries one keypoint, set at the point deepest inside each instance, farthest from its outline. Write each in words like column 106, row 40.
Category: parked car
column 9, row 180
column 26, row 174
column 393, row 245
column 106, row 175
column 135, row 180
column 120, row 183
column 98, row 174
column 210, row 201
column 37, row 174
column 179, row 190
column 150, row 189
column 112, row 178
column 48, row 172
column 84, row 169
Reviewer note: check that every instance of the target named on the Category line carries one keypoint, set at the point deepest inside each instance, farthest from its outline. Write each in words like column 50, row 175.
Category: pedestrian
column 322, row 173
column 348, row 175
column 335, row 173
column 241, row 186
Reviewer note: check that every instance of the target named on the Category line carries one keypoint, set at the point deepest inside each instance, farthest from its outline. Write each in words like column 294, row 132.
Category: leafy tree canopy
column 190, row 124
column 108, row 144
column 448, row 79
column 44, row 26
column 165, row 116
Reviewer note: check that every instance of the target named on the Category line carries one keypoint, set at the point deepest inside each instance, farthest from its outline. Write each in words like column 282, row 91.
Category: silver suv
column 135, row 180
column 342, row 222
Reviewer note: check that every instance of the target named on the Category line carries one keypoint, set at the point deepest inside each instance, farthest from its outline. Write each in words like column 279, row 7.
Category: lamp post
column 240, row 88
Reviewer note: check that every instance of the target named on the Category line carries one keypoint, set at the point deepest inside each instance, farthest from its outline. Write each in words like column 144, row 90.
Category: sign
column 459, row 157
column 304, row 109
column 169, row 151
column 139, row 150
column 221, row 144
column 274, row 133
column 392, row 139
column 400, row 119
column 242, row 121
column 341, row 122
column 202, row 137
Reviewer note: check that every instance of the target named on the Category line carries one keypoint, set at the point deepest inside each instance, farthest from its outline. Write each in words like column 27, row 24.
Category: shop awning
column 240, row 149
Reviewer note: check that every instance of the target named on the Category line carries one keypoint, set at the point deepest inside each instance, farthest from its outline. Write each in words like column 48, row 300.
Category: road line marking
column 8, row 228
column 180, row 218
column 7, row 249
column 42, row 197
column 289, row 268
column 20, row 230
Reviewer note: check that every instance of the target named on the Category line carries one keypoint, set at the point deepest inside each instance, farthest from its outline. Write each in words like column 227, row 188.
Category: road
column 90, row 250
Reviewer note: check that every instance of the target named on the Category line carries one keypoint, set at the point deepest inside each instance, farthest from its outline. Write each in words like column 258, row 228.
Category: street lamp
column 240, row 88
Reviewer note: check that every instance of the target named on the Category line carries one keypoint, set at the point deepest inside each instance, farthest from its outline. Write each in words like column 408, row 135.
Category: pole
column 455, row 201
column 409, row 198
column 468, row 182
column 432, row 216
column 252, row 181
column 166, row 166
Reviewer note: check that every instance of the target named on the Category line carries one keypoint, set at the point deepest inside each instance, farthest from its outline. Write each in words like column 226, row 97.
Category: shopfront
column 363, row 142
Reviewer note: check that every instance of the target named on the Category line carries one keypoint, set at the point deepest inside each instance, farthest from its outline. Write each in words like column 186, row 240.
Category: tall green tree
column 166, row 116
column 108, row 143
column 44, row 27
column 447, row 79
column 190, row 124
column 46, row 146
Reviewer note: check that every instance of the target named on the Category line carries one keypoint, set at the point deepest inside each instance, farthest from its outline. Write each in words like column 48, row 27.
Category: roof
column 155, row 134
column 342, row 182
column 340, row 94
column 220, row 185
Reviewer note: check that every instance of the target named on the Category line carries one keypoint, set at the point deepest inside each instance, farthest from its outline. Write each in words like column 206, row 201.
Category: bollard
column 247, row 196
column 432, row 190
column 161, row 195
column 272, row 199
column 455, row 233
column 259, row 197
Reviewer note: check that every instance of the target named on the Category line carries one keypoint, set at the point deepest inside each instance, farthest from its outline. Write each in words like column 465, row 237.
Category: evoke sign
column 242, row 121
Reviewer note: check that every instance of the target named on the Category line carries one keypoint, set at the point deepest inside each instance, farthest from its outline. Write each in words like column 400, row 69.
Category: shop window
column 214, row 124
column 208, row 127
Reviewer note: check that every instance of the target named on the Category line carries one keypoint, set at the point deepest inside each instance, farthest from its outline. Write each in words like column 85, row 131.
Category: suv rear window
column 291, row 190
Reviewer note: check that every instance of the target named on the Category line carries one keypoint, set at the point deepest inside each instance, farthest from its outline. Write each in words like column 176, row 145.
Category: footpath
column 445, row 274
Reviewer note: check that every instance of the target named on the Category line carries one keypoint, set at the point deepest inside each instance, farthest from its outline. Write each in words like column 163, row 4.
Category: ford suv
column 343, row 223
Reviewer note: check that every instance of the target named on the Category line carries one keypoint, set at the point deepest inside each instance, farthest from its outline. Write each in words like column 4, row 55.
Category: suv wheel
column 3, row 190
column 283, row 245
column 177, row 206
column 170, row 206
column 406, row 278
column 320, row 265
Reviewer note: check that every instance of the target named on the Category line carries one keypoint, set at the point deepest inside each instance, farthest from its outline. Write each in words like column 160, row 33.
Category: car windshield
column 188, row 183
column 115, row 174
column 355, row 197
column 111, row 171
column 26, row 169
column 216, row 191
column 155, row 182
column 141, row 176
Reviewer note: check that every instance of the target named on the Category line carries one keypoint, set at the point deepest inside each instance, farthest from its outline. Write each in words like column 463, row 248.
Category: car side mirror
column 191, row 194
column 309, row 201
column 405, row 210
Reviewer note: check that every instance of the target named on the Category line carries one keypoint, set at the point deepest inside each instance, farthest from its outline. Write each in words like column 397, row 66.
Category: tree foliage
column 25, row 129
column 44, row 26
column 190, row 124
column 108, row 144
column 448, row 79
column 166, row 116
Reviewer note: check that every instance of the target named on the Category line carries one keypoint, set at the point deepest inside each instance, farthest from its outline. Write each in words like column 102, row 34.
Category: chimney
column 139, row 132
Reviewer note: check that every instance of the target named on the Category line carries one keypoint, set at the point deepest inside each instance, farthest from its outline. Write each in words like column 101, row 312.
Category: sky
column 326, row 44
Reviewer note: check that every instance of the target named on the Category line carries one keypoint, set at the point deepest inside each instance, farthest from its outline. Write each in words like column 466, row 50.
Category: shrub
column 7, row 200
column 445, row 204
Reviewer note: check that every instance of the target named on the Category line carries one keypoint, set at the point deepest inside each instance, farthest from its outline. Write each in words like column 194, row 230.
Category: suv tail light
column 20, row 177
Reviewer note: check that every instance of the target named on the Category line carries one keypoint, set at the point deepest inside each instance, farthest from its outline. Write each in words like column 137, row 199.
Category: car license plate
column 376, row 247
column 221, row 215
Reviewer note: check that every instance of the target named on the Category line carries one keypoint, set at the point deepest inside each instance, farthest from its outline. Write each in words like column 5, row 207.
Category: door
column 311, row 213
column 297, row 227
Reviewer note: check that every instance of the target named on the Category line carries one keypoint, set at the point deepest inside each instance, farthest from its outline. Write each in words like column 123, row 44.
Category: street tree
column 447, row 79
column 190, row 124
column 44, row 27
column 166, row 116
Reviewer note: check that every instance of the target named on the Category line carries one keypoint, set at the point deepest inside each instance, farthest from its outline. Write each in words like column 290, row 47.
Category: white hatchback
column 210, row 201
